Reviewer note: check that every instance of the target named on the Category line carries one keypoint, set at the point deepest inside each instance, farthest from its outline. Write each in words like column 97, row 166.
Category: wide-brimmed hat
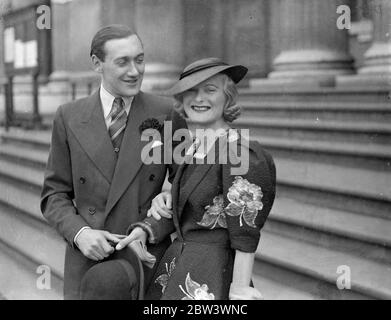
column 203, row 69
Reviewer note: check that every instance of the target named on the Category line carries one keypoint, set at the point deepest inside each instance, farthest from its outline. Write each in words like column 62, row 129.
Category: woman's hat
column 203, row 69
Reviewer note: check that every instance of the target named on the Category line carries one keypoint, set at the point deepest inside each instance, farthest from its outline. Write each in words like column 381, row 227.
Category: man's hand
column 94, row 244
column 161, row 206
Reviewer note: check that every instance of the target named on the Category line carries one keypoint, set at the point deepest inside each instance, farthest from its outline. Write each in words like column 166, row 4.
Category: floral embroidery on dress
column 245, row 201
column 195, row 291
column 163, row 278
column 214, row 214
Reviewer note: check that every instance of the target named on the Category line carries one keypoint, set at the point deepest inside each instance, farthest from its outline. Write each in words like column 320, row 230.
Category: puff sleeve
column 248, row 197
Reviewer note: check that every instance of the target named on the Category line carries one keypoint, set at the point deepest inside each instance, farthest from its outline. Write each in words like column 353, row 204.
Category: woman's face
column 204, row 103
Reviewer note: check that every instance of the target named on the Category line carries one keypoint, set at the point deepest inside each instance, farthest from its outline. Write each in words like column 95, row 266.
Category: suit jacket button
column 91, row 210
column 116, row 150
column 151, row 177
column 82, row 180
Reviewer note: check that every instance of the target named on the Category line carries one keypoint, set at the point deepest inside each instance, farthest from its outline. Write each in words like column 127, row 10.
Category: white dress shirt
column 107, row 99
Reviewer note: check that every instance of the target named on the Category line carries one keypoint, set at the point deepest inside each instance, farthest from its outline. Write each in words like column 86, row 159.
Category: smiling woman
column 217, row 214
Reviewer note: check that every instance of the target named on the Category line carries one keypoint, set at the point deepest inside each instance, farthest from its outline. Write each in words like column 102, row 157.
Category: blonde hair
column 231, row 109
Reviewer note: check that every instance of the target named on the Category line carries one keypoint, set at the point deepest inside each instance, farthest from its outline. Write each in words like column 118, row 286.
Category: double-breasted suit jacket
column 88, row 184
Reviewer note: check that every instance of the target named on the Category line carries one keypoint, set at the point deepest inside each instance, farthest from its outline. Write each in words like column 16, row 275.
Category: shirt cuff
column 77, row 234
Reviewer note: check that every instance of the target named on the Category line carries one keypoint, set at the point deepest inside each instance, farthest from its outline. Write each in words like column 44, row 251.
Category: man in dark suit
column 95, row 183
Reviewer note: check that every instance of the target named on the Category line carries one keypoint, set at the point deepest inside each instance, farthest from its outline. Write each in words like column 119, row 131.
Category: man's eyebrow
column 128, row 58
column 121, row 58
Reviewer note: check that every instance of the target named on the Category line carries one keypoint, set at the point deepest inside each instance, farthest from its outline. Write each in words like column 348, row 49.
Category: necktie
column 118, row 123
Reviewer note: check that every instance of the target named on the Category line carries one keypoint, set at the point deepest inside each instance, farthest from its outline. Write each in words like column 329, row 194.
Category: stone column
column 73, row 25
column 376, row 70
column 160, row 25
column 85, row 18
column 247, row 35
column 235, row 31
column 204, row 31
column 118, row 12
column 313, row 50
column 5, row 6
column 58, row 89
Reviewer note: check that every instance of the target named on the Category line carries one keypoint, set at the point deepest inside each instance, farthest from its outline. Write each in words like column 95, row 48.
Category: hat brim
column 236, row 73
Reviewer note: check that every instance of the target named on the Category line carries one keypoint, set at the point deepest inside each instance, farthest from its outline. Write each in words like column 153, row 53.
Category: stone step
column 273, row 290
column 348, row 111
column 339, row 131
column 19, row 276
column 328, row 198
column 277, row 283
column 31, row 177
column 347, row 180
column 19, row 139
column 357, row 234
column 325, row 147
column 37, row 139
column 33, row 238
column 373, row 156
column 24, row 155
column 21, row 197
column 368, row 278
column 336, row 222
column 370, row 184
column 356, row 181
column 321, row 95
column 328, row 177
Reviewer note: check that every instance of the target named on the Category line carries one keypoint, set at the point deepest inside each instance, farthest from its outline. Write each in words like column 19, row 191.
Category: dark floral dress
column 215, row 213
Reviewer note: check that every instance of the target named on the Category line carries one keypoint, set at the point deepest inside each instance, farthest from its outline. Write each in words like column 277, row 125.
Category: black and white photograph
column 228, row 150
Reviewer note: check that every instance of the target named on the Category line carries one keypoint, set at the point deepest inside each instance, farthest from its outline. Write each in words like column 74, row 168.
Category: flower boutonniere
column 150, row 123
column 151, row 130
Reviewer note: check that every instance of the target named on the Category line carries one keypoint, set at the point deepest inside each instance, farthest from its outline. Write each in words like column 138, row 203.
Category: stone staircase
column 333, row 206
column 26, row 241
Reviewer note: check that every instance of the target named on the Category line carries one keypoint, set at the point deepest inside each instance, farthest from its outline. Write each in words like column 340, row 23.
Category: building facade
column 286, row 42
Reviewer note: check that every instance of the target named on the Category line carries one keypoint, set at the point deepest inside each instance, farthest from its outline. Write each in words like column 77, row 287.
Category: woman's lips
column 200, row 108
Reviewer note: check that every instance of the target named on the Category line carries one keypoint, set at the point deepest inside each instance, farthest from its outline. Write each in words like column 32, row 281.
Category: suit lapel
column 195, row 178
column 91, row 132
column 193, row 181
column 175, row 198
column 129, row 159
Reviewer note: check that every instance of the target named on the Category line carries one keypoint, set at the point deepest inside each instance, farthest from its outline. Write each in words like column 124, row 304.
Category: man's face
column 123, row 67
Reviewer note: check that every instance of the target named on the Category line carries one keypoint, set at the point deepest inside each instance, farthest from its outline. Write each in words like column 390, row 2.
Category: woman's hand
column 136, row 242
column 136, row 234
column 239, row 292
column 161, row 206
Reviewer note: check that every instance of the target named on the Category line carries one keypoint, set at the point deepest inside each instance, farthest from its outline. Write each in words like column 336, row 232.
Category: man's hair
column 114, row 31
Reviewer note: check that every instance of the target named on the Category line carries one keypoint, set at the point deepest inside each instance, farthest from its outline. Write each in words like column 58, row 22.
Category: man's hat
column 203, row 69
column 121, row 277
